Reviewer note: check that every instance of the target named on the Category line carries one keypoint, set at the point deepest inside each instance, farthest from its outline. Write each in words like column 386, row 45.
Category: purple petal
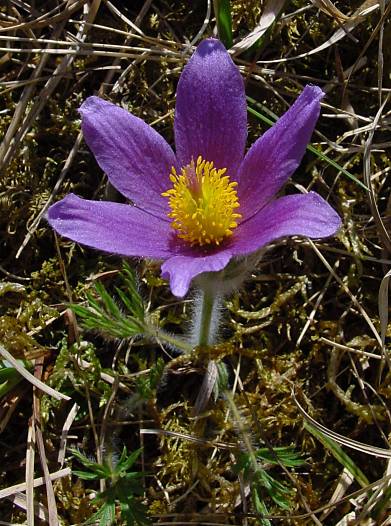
column 275, row 156
column 136, row 159
column 111, row 227
column 210, row 115
column 180, row 270
column 293, row 215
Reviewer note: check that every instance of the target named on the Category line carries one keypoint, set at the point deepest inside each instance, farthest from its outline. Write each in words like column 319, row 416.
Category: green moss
column 259, row 345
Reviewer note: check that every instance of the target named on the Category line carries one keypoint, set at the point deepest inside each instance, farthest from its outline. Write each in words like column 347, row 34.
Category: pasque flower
column 209, row 202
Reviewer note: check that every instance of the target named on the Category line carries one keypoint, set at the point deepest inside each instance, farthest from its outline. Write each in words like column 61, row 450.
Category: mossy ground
column 278, row 329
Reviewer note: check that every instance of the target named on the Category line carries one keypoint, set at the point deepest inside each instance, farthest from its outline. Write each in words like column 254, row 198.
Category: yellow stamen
column 203, row 203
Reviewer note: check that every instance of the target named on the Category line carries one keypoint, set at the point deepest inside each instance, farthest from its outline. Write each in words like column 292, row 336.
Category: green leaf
column 85, row 475
column 123, row 485
column 382, row 505
column 9, row 377
column 260, row 508
column 104, row 314
column 105, row 515
column 82, row 458
column 224, row 21
column 222, row 380
column 243, row 463
column 146, row 385
column 126, row 461
column 262, row 481
column 134, row 512
column 281, row 455
column 130, row 283
column 340, row 455
column 100, row 471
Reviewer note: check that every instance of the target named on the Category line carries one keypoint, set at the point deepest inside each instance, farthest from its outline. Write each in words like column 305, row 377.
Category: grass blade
column 339, row 454
column 270, row 121
column 224, row 21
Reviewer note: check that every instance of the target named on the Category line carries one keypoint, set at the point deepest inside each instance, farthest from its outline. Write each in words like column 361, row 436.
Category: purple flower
column 209, row 202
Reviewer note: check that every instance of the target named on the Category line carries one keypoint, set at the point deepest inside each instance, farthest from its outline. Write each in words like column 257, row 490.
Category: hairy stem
column 208, row 302
column 179, row 343
column 206, row 329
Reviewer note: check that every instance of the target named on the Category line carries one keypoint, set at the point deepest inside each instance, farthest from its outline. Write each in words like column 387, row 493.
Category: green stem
column 242, row 429
column 166, row 337
column 208, row 301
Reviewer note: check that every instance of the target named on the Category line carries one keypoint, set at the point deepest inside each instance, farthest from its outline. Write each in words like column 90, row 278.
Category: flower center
column 203, row 203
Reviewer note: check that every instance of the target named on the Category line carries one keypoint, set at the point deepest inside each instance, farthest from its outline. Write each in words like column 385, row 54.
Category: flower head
column 203, row 203
column 210, row 202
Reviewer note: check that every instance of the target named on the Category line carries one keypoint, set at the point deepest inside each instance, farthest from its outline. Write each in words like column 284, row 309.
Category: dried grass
column 313, row 317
